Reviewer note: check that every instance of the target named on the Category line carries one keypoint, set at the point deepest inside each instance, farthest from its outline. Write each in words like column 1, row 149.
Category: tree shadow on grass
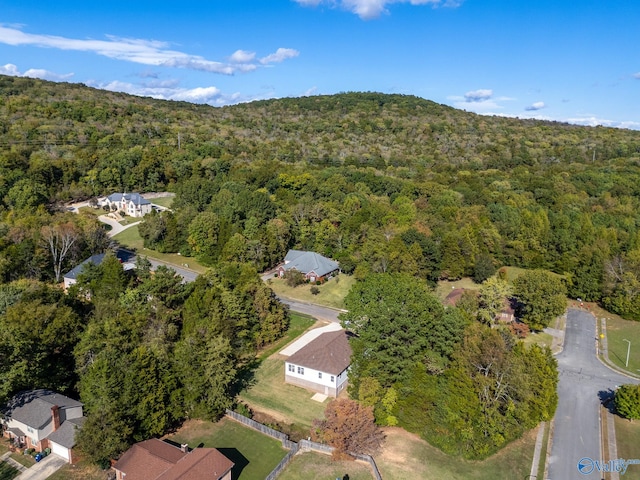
column 246, row 376
column 239, row 460
column 7, row 472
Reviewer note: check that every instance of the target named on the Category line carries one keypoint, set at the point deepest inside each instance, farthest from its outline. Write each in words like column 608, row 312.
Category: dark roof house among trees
column 313, row 265
column 157, row 460
column 71, row 276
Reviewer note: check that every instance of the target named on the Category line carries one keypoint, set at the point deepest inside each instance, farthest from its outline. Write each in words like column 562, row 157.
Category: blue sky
column 566, row 60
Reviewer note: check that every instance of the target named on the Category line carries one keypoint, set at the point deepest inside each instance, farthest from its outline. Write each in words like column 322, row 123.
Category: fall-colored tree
column 349, row 427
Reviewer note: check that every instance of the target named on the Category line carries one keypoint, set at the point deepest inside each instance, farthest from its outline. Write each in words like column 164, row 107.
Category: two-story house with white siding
column 41, row 418
column 321, row 365
column 132, row 204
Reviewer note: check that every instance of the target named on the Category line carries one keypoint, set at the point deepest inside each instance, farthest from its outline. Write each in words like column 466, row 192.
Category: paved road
column 317, row 311
column 584, row 381
column 187, row 275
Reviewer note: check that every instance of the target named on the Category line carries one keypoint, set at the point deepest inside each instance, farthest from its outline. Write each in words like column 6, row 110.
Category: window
column 301, row 370
column 292, row 368
column 332, row 379
column 319, row 374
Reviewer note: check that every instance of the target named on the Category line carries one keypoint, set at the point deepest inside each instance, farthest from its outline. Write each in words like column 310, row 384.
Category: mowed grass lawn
column 316, row 466
column 82, row 470
column 628, row 440
column 7, row 472
column 255, row 455
column 405, row 456
column 617, row 331
column 163, row 201
column 131, row 238
column 331, row 294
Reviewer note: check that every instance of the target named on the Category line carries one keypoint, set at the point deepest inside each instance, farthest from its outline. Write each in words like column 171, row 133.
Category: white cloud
column 310, row 92
column 593, row 121
column 481, row 95
column 242, row 56
column 279, row 56
column 11, row 69
column 369, row 9
column 535, row 106
column 145, row 52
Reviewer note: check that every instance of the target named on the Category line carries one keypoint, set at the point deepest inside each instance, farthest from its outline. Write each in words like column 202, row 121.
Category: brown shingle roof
column 330, row 353
column 157, row 460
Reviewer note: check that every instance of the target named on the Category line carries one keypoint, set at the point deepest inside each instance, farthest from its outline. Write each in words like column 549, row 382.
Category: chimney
column 184, row 447
column 55, row 416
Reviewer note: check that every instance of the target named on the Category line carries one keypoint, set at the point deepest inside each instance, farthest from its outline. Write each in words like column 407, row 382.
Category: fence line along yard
column 294, row 448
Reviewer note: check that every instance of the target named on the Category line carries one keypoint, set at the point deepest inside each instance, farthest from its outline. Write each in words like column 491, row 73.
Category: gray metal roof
column 33, row 407
column 66, row 434
column 136, row 198
column 121, row 255
column 306, row 262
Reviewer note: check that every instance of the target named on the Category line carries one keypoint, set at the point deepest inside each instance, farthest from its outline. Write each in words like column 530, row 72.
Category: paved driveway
column 43, row 469
column 584, row 382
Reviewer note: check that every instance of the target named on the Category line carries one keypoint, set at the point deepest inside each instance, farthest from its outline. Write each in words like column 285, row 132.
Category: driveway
column 43, row 469
column 584, row 383
column 316, row 311
column 116, row 228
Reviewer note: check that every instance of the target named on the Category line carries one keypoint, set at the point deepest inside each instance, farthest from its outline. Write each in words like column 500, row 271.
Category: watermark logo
column 587, row 465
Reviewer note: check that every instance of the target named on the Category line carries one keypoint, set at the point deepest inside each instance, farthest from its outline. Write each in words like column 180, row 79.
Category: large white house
column 131, row 204
column 322, row 364
column 41, row 418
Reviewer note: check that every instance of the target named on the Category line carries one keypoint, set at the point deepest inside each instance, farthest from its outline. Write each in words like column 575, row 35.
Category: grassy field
column 129, row 220
column 617, row 331
column 331, row 294
column 255, row 455
column 287, row 404
column 163, row 201
column 82, row 470
column 91, row 211
column 7, row 472
column 297, row 326
column 316, row 466
column 444, row 287
column 407, row 457
column 628, row 439
column 131, row 238
column 24, row 460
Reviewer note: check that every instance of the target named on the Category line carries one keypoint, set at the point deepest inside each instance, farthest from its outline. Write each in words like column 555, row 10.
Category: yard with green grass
column 617, row 331
column 298, row 324
column 24, row 460
column 7, row 472
column 316, row 466
column 331, row 294
column 255, row 455
column 628, row 440
column 163, row 201
column 407, row 457
column 129, row 220
column 81, row 470
column 131, row 238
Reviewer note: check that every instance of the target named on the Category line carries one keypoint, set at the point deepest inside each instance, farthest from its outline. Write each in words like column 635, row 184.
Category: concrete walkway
column 308, row 337
column 7, row 459
column 535, row 464
column 43, row 469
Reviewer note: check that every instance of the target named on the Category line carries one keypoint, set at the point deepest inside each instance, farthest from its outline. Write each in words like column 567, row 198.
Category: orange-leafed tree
column 349, row 427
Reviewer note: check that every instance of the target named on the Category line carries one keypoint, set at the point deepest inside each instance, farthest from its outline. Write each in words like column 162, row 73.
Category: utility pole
column 178, row 141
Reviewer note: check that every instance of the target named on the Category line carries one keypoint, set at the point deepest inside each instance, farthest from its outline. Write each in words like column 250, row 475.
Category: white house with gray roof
column 132, row 204
column 42, row 418
column 313, row 265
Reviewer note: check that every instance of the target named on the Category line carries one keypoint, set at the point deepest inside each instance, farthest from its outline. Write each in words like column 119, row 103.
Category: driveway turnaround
column 584, row 383
column 43, row 469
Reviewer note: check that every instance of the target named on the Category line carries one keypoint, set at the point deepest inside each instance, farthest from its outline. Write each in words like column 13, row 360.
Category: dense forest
column 392, row 186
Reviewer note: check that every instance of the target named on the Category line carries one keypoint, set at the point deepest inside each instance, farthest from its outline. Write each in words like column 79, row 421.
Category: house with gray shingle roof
column 124, row 256
column 42, row 418
column 132, row 204
column 322, row 364
column 313, row 265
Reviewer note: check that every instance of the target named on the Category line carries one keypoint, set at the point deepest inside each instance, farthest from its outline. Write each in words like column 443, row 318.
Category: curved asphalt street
column 584, row 382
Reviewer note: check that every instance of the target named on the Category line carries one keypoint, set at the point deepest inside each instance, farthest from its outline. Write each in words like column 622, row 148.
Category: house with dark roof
column 157, row 460
column 322, row 364
column 125, row 257
column 313, row 265
column 132, row 204
column 42, row 418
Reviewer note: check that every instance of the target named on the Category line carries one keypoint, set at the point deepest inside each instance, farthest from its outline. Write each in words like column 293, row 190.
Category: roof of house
column 157, row 460
column 136, row 198
column 309, row 262
column 65, row 435
column 330, row 353
column 454, row 296
column 33, row 407
column 122, row 255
